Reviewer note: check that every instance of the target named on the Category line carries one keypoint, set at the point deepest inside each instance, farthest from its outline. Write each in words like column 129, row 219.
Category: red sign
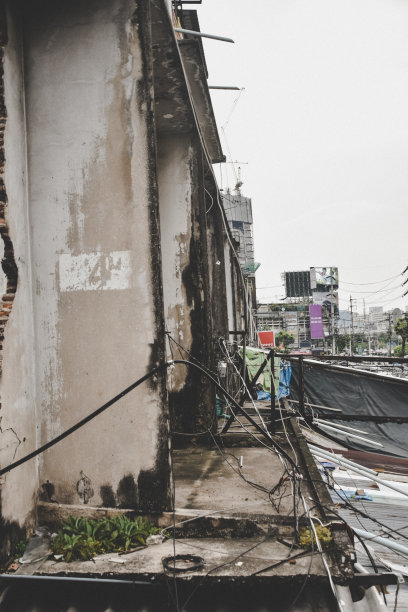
column 266, row 339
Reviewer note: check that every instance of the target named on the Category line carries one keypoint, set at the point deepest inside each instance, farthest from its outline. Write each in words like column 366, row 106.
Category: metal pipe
column 244, row 339
column 203, row 35
column 383, row 541
column 301, row 389
column 224, row 87
column 75, row 579
column 356, row 358
column 272, row 428
column 350, row 435
column 345, row 427
column 385, row 483
column 346, row 461
column 316, row 406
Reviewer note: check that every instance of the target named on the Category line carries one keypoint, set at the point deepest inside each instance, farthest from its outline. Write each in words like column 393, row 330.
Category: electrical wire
column 150, row 374
column 372, row 283
column 386, row 288
column 190, row 355
column 304, row 553
column 225, row 351
column 84, row 421
column 271, row 444
column 354, row 508
column 173, row 496
column 319, row 547
column 221, row 565
column 361, row 540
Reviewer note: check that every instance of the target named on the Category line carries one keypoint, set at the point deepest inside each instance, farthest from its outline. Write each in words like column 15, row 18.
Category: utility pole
column 369, row 335
column 332, row 313
column 367, row 326
column 389, row 334
column 352, row 325
column 297, row 327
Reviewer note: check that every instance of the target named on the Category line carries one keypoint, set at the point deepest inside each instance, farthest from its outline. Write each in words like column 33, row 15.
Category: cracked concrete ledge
column 201, row 523
column 223, row 558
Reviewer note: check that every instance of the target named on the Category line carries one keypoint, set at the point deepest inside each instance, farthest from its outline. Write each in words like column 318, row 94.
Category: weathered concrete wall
column 215, row 248
column 17, row 381
column 228, row 283
column 95, row 262
column 185, row 276
column 239, row 295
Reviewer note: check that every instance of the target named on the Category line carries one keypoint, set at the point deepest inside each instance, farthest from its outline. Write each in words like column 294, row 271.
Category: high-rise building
column 238, row 210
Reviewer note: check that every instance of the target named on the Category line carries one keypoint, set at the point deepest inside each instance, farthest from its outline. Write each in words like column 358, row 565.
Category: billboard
column 316, row 321
column 297, row 284
column 266, row 339
column 325, row 300
column 323, row 279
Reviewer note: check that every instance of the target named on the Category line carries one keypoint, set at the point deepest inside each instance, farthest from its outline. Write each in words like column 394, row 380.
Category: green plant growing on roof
column 307, row 538
column 20, row 548
column 81, row 539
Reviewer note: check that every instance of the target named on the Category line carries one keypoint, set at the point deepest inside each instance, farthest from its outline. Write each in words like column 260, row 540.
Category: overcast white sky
column 323, row 125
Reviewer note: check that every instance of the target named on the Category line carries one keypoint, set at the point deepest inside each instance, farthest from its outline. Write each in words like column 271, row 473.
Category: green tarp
column 254, row 359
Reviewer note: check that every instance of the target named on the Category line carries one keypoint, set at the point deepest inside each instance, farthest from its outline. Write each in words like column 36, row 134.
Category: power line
column 377, row 291
column 372, row 283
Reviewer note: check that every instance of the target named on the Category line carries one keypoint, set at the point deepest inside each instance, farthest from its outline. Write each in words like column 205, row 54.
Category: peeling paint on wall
column 95, row 271
column 84, row 488
column 94, row 229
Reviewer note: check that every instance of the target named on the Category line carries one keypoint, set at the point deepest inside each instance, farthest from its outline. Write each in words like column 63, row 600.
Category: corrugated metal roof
column 395, row 516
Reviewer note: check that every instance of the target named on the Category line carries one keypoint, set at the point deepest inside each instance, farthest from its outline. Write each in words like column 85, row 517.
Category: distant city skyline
column 323, row 127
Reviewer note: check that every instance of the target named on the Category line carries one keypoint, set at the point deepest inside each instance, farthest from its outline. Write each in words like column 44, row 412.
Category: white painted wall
column 175, row 180
column 88, row 202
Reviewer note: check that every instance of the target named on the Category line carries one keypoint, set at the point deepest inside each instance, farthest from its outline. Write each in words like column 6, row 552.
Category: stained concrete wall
column 228, row 283
column 90, row 220
column 187, row 304
column 217, row 265
column 18, row 425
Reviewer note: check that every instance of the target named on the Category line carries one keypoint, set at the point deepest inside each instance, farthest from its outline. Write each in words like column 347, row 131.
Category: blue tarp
column 263, row 395
column 284, row 379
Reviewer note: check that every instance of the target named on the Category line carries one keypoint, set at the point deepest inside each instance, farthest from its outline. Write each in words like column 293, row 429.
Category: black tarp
column 357, row 393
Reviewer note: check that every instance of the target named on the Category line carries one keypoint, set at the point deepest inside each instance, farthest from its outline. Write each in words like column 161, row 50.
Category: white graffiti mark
column 95, row 271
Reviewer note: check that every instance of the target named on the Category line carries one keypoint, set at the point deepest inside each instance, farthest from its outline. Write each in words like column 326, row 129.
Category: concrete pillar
column 185, row 277
column 217, row 265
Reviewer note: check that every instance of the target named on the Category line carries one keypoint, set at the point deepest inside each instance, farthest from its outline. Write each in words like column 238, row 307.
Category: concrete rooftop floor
column 223, row 509
column 225, row 514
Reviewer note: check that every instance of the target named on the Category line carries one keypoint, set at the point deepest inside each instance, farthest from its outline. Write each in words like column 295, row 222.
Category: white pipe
column 344, row 460
column 385, row 483
column 384, row 541
column 345, row 427
column 315, row 405
column 350, row 435
column 203, row 35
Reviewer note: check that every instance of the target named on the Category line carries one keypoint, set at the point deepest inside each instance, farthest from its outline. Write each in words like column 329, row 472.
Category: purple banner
column 316, row 321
